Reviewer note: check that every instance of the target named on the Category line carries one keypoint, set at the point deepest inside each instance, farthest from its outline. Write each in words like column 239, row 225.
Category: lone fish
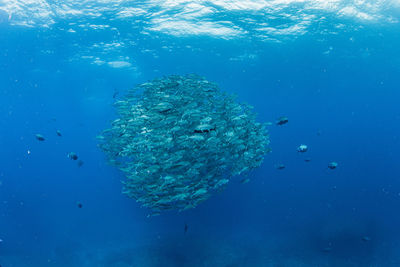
column 40, row 137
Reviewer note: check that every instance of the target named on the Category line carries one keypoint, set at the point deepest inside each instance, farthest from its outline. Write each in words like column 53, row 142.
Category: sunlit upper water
column 122, row 23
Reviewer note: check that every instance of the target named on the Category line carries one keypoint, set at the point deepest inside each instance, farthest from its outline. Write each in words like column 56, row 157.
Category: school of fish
column 178, row 139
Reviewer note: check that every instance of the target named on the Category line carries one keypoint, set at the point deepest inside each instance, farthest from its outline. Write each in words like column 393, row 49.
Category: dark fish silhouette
column 80, row 163
column 280, row 166
column 72, row 155
column 332, row 165
column 245, row 180
column 115, row 94
column 366, row 238
column 58, row 133
column 185, row 230
column 282, row 121
column 79, row 205
column 40, row 137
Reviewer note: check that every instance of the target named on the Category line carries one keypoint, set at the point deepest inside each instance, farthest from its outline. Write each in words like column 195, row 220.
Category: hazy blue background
column 338, row 85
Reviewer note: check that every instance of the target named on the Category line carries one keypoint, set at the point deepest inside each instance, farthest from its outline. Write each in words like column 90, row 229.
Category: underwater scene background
column 331, row 67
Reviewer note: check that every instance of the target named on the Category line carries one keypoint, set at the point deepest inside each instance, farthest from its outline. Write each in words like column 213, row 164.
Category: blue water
column 336, row 78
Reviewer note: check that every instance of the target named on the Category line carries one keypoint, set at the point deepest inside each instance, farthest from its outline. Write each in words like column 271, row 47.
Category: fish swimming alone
column 40, row 137
column 72, row 156
column 332, row 165
column 245, row 181
column 366, row 238
column 282, row 120
column 302, row 148
column 280, row 166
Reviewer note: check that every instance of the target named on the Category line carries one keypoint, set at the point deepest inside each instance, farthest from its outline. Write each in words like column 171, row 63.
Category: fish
column 80, row 163
column 199, row 192
column 58, row 133
column 40, row 137
column 163, row 107
column 153, row 214
column 366, row 238
column 332, row 165
column 79, row 204
column 302, row 148
column 72, row 156
column 244, row 181
column 221, row 183
column 280, row 166
column 115, row 94
column 197, row 137
column 282, row 120
column 185, row 229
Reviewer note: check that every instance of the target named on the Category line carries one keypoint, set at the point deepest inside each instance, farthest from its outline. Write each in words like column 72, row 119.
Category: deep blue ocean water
column 333, row 69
